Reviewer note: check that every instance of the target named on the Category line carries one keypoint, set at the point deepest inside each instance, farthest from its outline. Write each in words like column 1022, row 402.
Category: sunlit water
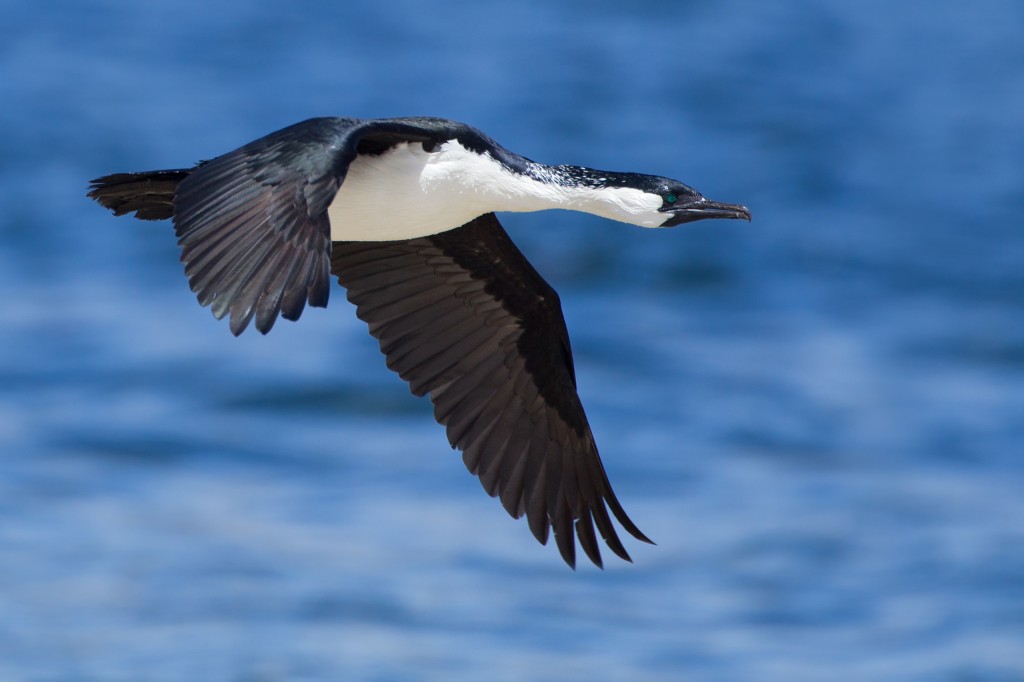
column 817, row 416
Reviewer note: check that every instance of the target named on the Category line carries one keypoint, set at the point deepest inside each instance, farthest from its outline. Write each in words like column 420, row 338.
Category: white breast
column 407, row 192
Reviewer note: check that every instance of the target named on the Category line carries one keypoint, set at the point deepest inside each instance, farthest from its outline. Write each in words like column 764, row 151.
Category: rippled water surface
column 818, row 416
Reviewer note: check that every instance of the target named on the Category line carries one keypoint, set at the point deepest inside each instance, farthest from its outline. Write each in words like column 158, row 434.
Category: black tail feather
column 150, row 195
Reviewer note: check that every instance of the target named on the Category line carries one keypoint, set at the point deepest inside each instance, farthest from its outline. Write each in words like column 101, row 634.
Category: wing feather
column 464, row 318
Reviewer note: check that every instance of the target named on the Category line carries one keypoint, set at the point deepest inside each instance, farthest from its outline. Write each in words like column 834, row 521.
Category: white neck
column 407, row 192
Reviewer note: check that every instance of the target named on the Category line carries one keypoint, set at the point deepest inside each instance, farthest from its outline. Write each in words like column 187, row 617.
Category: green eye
column 670, row 198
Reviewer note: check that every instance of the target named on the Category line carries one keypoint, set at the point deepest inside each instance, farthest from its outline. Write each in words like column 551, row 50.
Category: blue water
column 818, row 416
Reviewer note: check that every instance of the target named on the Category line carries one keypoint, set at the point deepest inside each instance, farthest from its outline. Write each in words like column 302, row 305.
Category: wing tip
column 149, row 194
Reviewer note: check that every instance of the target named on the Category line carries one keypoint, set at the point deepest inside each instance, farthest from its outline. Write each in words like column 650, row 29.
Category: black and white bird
column 401, row 211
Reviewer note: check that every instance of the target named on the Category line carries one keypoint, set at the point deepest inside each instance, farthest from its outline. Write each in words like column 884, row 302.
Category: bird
column 402, row 212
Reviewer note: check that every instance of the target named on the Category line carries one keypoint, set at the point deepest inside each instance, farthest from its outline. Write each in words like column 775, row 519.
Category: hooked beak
column 705, row 208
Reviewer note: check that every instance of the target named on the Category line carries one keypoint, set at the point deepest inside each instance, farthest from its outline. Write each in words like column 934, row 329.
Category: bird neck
column 607, row 194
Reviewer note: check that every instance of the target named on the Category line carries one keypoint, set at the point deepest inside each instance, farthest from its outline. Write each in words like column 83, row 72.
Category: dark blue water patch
column 146, row 449
column 324, row 400
column 346, row 609
column 782, row 598
column 779, row 426
column 987, row 337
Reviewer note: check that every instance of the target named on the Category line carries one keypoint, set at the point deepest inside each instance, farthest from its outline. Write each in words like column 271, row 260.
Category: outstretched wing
column 252, row 224
column 464, row 317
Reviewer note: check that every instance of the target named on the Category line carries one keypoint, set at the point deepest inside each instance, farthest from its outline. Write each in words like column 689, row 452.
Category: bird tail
column 149, row 194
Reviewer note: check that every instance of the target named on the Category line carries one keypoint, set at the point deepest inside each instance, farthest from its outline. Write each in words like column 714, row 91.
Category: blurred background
column 817, row 416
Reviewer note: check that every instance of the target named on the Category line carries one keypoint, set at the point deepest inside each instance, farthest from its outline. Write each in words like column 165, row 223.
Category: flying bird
column 401, row 211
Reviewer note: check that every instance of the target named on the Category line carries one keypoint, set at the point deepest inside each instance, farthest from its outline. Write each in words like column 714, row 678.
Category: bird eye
column 670, row 198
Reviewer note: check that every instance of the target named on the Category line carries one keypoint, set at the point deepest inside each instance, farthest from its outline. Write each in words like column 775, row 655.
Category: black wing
column 463, row 316
column 252, row 224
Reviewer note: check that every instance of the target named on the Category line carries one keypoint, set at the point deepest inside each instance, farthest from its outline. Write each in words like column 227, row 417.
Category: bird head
column 683, row 204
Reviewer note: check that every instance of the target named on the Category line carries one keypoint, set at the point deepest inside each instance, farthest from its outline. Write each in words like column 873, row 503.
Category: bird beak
column 705, row 208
